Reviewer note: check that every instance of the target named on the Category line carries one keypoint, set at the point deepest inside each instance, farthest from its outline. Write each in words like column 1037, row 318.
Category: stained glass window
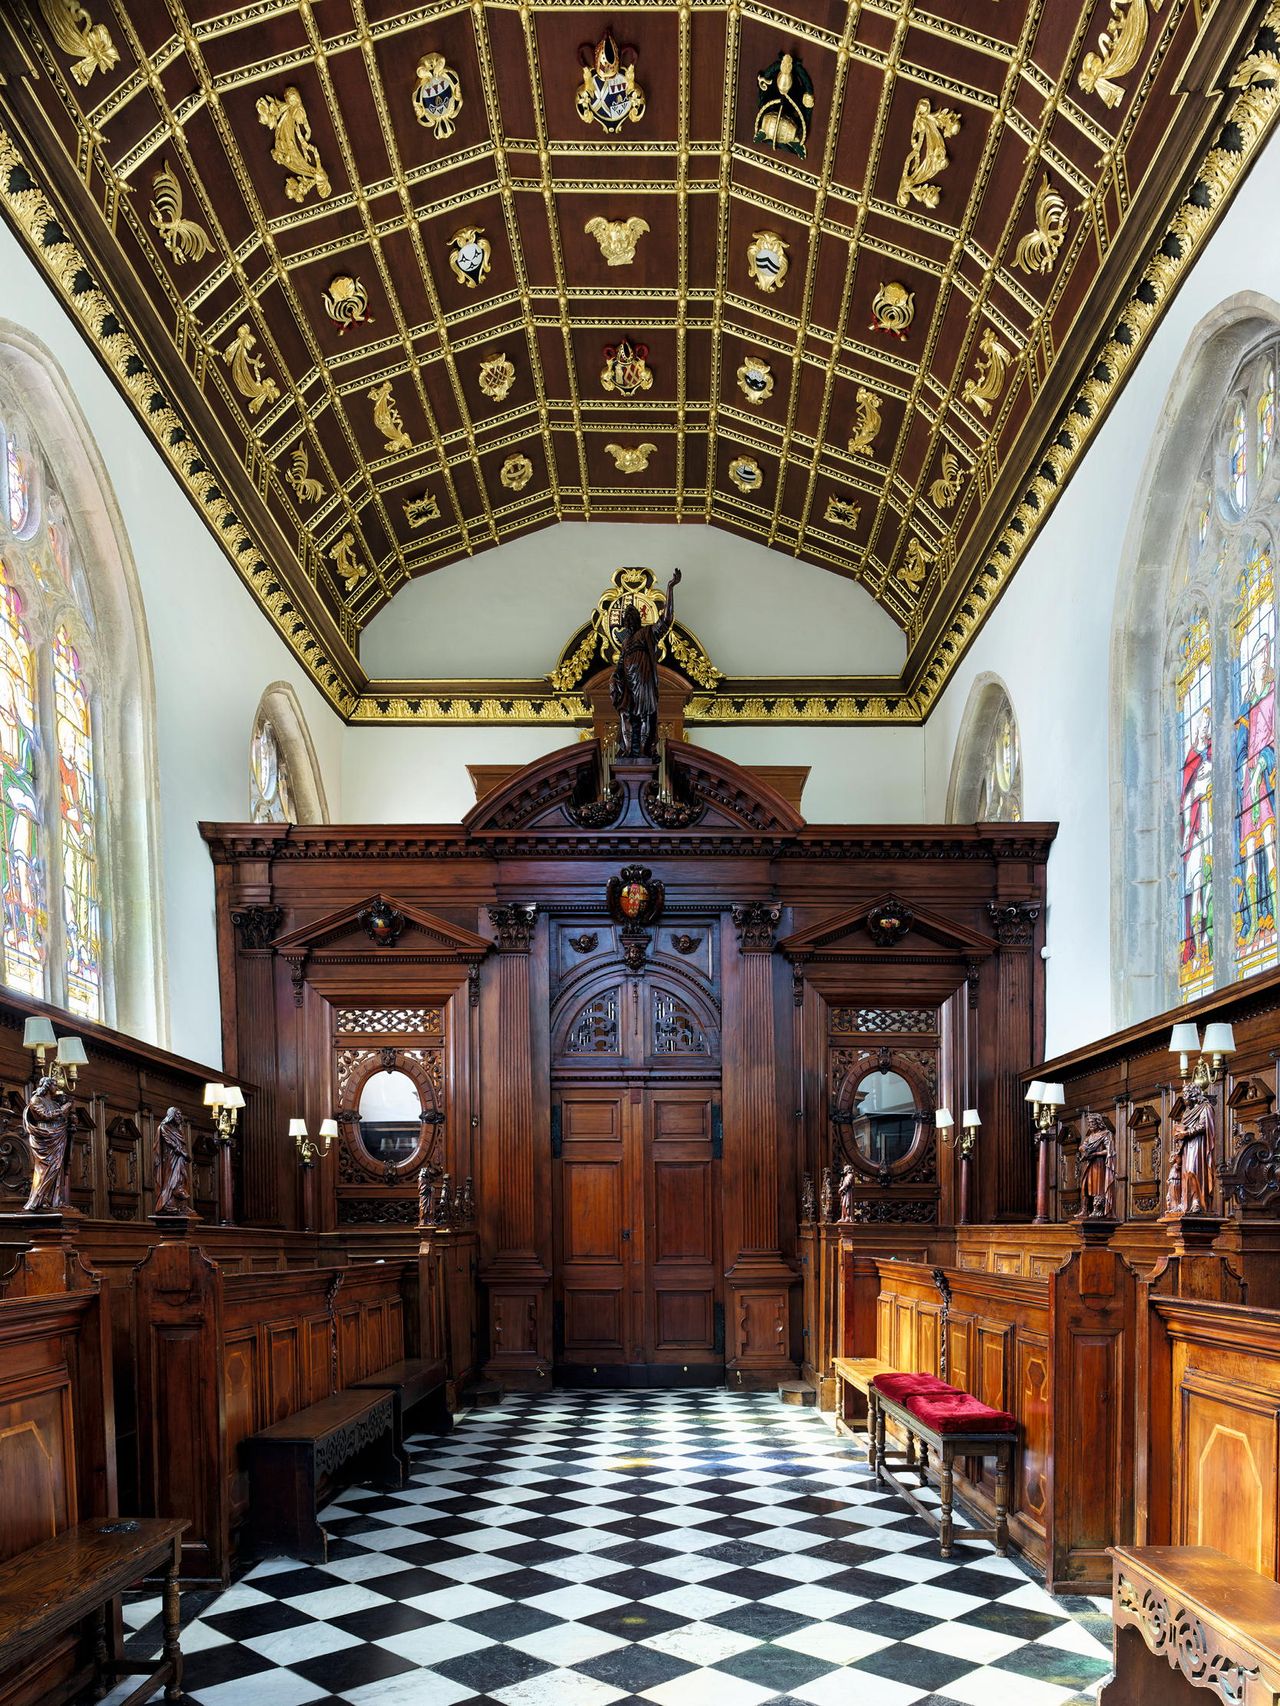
column 1194, row 691
column 270, row 786
column 26, row 914
column 1000, row 793
column 1266, row 417
column 18, row 481
column 1253, row 680
column 77, row 806
column 1238, row 458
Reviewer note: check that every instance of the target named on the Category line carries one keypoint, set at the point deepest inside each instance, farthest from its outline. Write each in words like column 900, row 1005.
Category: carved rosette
column 889, row 922
column 515, row 926
column 1014, row 921
column 258, row 925
column 757, row 924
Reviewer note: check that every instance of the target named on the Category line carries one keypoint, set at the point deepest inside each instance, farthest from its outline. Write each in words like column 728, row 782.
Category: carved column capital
column 515, row 926
column 1014, row 921
column 756, row 923
column 257, row 925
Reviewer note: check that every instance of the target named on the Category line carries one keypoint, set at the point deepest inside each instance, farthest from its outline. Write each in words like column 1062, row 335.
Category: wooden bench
column 288, row 1462
column 855, row 1374
column 412, row 1383
column 1193, row 1611
column 50, row 1588
column 933, row 1414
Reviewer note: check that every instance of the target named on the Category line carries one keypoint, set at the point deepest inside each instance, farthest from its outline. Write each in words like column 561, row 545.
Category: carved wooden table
column 59, row 1583
column 288, row 1460
column 1193, row 1611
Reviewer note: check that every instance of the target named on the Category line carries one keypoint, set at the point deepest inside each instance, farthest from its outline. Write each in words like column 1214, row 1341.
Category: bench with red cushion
column 934, row 1414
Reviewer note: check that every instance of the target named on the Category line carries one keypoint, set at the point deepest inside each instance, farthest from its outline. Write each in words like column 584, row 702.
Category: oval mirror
column 390, row 1116
column 884, row 1118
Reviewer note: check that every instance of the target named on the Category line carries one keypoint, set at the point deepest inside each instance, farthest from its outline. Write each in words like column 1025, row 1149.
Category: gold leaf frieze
column 617, row 237
column 515, row 473
column 246, row 371
column 89, row 44
column 946, row 488
column 930, row 132
column 437, row 100
column 863, row 438
column 497, row 376
column 633, row 459
column 386, row 417
column 755, row 379
column 293, row 148
column 1119, row 49
column 419, row 511
column 349, row 567
column 308, row 488
column 184, row 239
column 346, row 302
column 992, row 365
column 1038, row 250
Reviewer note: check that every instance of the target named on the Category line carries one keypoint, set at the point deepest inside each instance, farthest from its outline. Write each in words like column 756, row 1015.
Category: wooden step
column 796, row 1392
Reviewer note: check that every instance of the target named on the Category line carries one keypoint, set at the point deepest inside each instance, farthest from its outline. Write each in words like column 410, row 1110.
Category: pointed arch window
column 26, row 913
column 1194, row 710
column 986, row 772
column 1000, row 792
column 270, row 782
column 78, row 830
column 285, row 784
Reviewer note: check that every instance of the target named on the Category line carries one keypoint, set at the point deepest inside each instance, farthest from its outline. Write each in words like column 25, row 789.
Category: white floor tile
column 434, row 1644
column 700, row 1643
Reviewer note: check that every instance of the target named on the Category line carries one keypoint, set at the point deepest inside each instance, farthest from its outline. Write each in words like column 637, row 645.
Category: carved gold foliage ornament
column 843, row 511
column 470, row 255
column 1038, row 250
column 246, row 371
column 516, row 472
column 863, row 438
column 767, row 261
column 914, row 566
column 930, row 131
column 631, row 461
column 437, row 100
column 988, row 382
column 617, row 237
column 183, row 238
column 293, row 148
column 344, row 555
column 609, row 94
column 386, row 417
column 346, row 302
column 626, row 368
column 893, row 308
column 946, row 488
column 308, row 488
column 419, row 511
column 755, row 379
column 89, row 44
column 497, row 376
column 1119, row 49
column 746, row 474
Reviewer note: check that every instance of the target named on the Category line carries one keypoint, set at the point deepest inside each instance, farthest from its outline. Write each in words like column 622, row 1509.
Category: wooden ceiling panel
column 268, row 197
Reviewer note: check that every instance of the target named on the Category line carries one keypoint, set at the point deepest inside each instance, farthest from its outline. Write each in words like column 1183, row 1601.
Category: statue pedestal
column 1192, row 1234
column 175, row 1226
column 43, row 1251
column 1096, row 1230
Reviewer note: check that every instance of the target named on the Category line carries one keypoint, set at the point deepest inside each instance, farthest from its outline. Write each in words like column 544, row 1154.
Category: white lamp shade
column 1219, row 1038
column 297, row 1128
column 971, row 1120
column 38, row 1033
column 232, row 1096
column 214, row 1095
column 943, row 1120
column 328, row 1128
column 1184, row 1039
column 1035, row 1091
column 1053, row 1095
column 71, row 1051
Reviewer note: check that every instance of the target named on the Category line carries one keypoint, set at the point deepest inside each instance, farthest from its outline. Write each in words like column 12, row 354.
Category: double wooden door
column 638, row 1292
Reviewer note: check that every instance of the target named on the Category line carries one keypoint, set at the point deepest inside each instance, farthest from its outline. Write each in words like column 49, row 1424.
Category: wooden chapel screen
column 635, row 1125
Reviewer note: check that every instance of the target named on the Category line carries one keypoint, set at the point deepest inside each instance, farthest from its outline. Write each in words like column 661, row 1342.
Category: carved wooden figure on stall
column 1191, row 1160
column 848, row 1179
column 46, row 1124
column 633, row 691
column 808, row 1207
column 1096, row 1169
column 425, row 1194
column 171, row 1161
column 827, row 1205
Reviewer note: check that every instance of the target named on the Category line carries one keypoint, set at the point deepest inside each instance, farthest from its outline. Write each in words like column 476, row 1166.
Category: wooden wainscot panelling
column 1210, row 1476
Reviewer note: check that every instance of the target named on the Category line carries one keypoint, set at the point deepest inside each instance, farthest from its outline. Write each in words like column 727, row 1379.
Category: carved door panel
column 596, row 1230
column 683, row 1310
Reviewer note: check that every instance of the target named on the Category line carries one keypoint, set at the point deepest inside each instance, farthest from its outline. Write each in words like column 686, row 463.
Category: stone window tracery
column 986, row 776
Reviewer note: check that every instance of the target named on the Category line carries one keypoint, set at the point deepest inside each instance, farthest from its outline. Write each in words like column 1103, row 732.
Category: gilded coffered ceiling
column 393, row 283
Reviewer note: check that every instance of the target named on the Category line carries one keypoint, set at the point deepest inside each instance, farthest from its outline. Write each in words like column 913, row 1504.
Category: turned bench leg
column 944, row 1491
column 1003, row 1456
column 911, row 1449
column 924, row 1463
column 172, row 1653
column 877, row 1443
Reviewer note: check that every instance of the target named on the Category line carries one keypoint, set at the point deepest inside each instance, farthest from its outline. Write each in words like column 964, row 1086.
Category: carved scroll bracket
column 1014, row 921
column 757, row 924
column 257, row 926
column 515, row 926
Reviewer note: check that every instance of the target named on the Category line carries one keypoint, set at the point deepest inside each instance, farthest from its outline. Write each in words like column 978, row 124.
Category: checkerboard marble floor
column 681, row 1548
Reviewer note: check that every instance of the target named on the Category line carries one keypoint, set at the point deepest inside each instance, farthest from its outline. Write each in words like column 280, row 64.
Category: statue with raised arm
column 46, row 1124
column 171, row 1160
column 633, row 690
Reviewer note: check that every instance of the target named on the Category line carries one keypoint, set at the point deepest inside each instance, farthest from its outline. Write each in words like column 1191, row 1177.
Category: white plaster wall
column 1050, row 637
column 213, row 653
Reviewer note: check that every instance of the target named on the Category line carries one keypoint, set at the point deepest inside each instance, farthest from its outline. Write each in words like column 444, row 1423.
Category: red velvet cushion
column 900, row 1386
column 951, row 1412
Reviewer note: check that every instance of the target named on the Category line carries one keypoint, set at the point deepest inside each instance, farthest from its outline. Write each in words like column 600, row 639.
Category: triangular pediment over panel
column 850, row 934
column 407, row 929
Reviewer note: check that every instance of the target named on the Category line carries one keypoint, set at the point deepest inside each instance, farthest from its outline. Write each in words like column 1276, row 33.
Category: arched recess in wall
column 285, row 784
column 1185, row 655
column 986, row 771
column 79, row 836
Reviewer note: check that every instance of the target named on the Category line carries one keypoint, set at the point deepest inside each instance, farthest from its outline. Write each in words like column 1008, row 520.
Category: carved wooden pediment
column 861, row 933
column 381, row 927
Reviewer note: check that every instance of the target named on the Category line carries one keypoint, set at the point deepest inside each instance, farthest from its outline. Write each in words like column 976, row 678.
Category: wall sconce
column 226, row 1100
column 38, row 1036
column 1184, row 1040
column 1046, row 1099
column 945, row 1124
column 309, row 1152
column 970, row 1126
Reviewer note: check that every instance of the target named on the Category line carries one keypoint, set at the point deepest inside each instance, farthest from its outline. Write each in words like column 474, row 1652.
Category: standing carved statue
column 848, row 1178
column 1096, row 1169
column 827, row 1201
column 1191, row 1162
column 424, row 1197
column 633, row 691
column 171, row 1164
column 808, row 1207
column 46, row 1123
